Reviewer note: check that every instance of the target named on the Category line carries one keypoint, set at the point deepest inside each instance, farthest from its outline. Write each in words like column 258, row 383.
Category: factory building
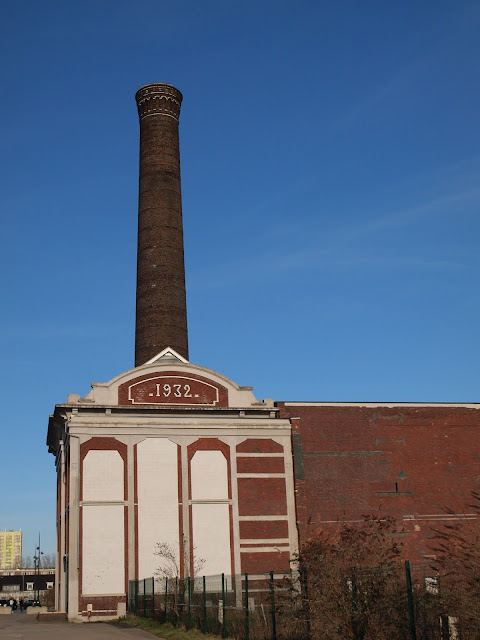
column 171, row 452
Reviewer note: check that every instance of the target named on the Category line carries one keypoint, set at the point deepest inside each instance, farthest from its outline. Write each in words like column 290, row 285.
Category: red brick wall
column 410, row 461
column 259, row 445
column 260, row 465
column 102, row 605
column 263, row 529
column 262, row 496
column 265, row 562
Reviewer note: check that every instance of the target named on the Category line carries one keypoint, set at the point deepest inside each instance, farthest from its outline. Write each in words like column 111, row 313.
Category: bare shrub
column 349, row 583
column 456, row 546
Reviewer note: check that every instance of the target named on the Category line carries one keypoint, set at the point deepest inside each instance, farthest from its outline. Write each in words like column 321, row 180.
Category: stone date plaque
column 172, row 388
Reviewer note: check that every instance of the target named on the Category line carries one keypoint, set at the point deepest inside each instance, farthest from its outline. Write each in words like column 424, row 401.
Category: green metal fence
column 233, row 607
column 370, row 604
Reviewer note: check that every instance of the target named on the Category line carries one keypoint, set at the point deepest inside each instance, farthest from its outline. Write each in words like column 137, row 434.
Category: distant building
column 10, row 549
column 26, row 583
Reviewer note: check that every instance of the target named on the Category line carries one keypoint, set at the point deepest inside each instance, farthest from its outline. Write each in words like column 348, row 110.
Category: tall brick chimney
column 161, row 318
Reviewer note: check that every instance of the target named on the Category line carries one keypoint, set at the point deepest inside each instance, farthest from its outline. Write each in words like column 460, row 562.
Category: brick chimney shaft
column 161, row 318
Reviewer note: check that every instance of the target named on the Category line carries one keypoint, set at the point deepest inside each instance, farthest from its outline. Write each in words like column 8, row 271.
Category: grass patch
column 167, row 631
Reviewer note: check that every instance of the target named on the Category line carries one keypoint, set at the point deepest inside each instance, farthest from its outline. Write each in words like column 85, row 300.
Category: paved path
column 25, row 627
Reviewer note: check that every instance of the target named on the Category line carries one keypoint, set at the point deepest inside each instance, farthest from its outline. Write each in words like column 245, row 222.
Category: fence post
column 274, row 620
column 307, row 601
column 204, row 605
column 224, row 625
column 153, row 597
column 144, row 597
column 411, row 610
column 189, row 590
column 354, row 604
column 166, row 600
column 136, row 597
column 247, row 621
column 177, row 603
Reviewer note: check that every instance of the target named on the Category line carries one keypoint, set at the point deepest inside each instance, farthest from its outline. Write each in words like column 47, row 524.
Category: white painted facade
column 158, row 504
column 132, row 480
column 103, row 565
column 211, row 535
column 210, row 512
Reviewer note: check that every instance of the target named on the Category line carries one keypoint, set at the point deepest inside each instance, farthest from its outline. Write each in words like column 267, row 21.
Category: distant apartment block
column 10, row 549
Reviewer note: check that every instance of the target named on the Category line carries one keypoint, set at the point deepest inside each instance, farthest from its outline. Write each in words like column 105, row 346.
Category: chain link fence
column 403, row 603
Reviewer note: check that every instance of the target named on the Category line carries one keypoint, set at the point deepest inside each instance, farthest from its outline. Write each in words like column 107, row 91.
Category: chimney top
column 158, row 98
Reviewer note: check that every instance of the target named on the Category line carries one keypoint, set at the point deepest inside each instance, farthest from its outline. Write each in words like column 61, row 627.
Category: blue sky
column 330, row 162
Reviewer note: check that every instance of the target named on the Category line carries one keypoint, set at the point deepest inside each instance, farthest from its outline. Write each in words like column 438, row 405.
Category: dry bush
column 457, row 562
column 350, row 584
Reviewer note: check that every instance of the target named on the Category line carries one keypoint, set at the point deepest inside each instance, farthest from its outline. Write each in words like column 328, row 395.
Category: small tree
column 352, row 579
column 170, row 560
column 170, row 570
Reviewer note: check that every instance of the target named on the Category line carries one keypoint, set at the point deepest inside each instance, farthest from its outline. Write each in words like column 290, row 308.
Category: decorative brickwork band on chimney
column 161, row 319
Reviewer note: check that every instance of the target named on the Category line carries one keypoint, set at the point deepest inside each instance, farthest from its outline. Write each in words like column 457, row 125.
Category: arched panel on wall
column 210, row 507
column 209, row 476
column 103, row 476
column 157, row 489
column 103, row 492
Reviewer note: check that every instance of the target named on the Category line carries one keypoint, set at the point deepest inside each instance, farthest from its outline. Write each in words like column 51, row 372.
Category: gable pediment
column 169, row 355
column 169, row 380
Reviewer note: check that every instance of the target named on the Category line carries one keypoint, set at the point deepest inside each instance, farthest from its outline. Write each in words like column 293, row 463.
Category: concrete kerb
column 52, row 616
